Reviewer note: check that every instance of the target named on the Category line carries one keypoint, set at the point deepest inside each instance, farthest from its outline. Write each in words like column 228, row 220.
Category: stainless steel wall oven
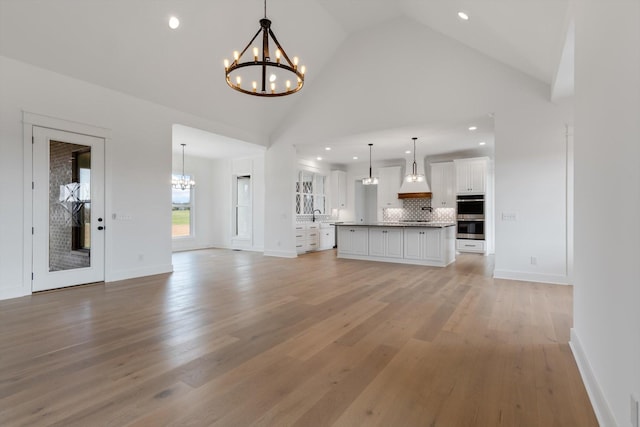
column 470, row 217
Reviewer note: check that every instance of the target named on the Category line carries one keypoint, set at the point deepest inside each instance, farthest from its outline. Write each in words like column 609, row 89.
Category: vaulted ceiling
column 127, row 45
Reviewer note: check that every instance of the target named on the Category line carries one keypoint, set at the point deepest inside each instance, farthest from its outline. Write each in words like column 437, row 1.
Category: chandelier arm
column 245, row 49
column 284, row 54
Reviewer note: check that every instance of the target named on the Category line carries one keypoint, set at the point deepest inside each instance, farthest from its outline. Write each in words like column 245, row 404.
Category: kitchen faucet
column 313, row 218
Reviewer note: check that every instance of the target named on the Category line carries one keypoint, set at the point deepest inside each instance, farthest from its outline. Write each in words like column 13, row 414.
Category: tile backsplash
column 412, row 210
column 308, row 218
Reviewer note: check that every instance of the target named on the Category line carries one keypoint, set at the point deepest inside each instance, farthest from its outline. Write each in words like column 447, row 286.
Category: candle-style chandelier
column 183, row 182
column 267, row 77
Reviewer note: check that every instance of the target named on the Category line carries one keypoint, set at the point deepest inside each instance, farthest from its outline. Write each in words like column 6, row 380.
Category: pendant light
column 370, row 180
column 184, row 182
column 414, row 176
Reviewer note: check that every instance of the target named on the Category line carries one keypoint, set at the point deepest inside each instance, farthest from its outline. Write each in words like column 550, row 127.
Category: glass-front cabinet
column 310, row 193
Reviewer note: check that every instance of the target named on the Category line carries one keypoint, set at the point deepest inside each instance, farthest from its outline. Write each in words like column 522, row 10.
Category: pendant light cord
column 265, row 8
column 370, row 172
column 183, row 176
column 415, row 165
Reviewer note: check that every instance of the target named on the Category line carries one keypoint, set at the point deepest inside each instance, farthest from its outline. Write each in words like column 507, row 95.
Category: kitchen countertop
column 432, row 224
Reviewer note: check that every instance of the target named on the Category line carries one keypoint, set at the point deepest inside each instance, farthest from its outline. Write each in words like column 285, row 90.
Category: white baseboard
column 598, row 401
column 14, row 292
column 138, row 272
column 281, row 254
column 524, row 276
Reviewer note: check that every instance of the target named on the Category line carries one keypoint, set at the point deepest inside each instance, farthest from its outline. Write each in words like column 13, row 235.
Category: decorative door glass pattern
column 69, row 206
column 310, row 193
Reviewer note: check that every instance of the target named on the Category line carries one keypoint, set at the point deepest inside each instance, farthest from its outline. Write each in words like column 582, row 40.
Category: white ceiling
column 127, row 46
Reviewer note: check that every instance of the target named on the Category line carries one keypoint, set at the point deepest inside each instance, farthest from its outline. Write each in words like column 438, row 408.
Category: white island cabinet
column 431, row 245
column 427, row 244
column 353, row 241
column 385, row 242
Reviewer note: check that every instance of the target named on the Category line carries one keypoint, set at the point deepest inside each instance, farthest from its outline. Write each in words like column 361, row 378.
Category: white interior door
column 68, row 209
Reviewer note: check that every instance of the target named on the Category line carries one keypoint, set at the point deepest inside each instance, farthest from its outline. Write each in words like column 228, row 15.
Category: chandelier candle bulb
column 238, row 80
column 255, row 86
column 303, row 69
column 273, row 88
column 295, row 62
column 226, row 64
column 236, row 55
column 288, row 84
column 255, row 53
column 278, row 56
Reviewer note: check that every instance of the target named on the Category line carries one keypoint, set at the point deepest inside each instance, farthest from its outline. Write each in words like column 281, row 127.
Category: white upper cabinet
column 390, row 179
column 443, row 188
column 471, row 175
column 338, row 189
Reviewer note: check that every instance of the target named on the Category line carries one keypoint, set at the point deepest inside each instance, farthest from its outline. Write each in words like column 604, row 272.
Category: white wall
column 448, row 82
column 280, row 176
column 138, row 168
column 606, row 334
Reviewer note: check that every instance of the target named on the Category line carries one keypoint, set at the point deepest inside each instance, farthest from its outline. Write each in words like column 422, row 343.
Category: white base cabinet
column 307, row 237
column 327, row 237
column 353, row 241
column 465, row 245
column 431, row 246
column 385, row 242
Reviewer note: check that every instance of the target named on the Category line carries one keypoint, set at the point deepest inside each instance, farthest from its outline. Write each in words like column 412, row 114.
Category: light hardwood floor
column 238, row 339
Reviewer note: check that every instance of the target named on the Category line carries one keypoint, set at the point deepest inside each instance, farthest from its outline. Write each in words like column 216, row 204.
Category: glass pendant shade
column 414, row 176
column 370, row 180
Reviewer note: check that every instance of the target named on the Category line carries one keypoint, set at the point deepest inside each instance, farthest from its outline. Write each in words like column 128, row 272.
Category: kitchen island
column 420, row 243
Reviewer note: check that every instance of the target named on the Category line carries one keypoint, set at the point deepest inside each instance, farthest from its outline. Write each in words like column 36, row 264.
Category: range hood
column 414, row 189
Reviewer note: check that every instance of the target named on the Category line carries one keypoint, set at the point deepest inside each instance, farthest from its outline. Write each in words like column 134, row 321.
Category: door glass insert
column 69, row 206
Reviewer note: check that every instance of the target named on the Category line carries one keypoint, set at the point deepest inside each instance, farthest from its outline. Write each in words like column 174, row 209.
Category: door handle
column 100, row 227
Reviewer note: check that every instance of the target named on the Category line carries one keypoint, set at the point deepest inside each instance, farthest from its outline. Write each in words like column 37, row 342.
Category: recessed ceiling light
column 355, row 157
column 174, row 22
column 318, row 158
column 473, row 127
column 463, row 16
column 407, row 152
column 482, row 143
column 327, row 148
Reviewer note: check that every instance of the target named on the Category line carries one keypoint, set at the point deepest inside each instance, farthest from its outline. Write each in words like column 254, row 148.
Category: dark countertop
column 397, row 224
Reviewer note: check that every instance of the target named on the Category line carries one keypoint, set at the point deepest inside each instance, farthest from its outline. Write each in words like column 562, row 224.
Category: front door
column 68, row 209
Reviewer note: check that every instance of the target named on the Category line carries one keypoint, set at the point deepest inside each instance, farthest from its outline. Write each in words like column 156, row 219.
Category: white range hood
column 415, row 189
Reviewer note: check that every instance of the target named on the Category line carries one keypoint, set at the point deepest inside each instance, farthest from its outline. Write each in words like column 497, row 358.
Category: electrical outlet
column 635, row 411
column 534, row 260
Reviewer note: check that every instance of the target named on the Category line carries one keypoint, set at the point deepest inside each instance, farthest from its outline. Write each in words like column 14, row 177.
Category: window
column 243, row 207
column 310, row 193
column 181, row 218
